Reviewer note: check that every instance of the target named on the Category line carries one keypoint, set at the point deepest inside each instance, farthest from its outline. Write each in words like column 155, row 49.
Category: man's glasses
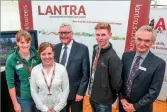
column 65, row 33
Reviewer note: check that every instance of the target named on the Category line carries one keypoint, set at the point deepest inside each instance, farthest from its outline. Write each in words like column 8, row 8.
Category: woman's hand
column 17, row 107
column 51, row 110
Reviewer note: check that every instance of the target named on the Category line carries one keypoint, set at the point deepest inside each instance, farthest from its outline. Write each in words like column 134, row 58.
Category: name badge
column 19, row 66
column 142, row 68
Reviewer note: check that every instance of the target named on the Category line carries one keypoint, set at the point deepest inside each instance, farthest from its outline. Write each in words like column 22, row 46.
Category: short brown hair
column 23, row 34
column 43, row 46
column 103, row 25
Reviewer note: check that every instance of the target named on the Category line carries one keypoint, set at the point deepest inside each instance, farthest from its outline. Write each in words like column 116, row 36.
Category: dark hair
column 43, row 46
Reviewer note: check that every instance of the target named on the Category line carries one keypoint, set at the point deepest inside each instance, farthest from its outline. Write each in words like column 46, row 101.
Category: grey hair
column 66, row 24
column 149, row 29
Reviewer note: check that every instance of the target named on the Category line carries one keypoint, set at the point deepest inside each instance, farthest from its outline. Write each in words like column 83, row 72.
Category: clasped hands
column 128, row 107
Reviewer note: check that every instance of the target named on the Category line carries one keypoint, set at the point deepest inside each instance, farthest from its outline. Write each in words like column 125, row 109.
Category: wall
column 10, row 16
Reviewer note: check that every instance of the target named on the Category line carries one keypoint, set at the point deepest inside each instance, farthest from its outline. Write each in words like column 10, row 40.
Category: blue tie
column 64, row 57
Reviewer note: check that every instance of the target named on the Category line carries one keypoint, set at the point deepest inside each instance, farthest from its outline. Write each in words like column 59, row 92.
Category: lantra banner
column 83, row 16
column 158, row 20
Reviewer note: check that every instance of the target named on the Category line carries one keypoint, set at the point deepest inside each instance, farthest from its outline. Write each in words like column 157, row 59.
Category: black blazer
column 78, row 68
column 147, row 82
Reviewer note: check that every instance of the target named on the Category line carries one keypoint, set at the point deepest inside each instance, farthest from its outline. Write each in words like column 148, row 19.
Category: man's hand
column 129, row 108
column 124, row 102
column 17, row 107
column 78, row 98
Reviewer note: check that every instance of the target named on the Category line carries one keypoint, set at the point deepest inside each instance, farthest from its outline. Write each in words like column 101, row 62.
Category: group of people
column 55, row 78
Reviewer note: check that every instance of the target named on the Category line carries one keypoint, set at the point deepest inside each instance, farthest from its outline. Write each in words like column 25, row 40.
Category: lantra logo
column 62, row 10
column 160, row 26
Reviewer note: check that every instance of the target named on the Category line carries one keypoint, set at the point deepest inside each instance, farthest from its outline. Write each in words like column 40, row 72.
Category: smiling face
column 65, row 34
column 24, row 45
column 23, row 41
column 47, row 56
column 46, row 53
column 144, row 41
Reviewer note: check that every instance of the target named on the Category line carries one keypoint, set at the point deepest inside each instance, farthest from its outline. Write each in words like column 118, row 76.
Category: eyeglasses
column 65, row 33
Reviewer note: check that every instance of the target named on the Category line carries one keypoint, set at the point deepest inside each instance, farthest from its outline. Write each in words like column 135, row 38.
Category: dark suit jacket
column 146, row 84
column 78, row 68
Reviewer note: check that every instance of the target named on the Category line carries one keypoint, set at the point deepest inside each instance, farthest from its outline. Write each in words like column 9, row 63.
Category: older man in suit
column 142, row 74
column 75, row 57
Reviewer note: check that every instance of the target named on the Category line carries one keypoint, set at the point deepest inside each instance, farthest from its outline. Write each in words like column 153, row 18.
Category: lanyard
column 96, row 60
column 28, row 69
column 49, row 86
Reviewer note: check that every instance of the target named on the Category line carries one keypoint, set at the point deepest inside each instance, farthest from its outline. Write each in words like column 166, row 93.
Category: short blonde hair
column 103, row 25
column 149, row 29
column 23, row 34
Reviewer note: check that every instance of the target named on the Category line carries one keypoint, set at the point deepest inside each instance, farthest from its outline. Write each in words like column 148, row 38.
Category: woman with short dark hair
column 49, row 81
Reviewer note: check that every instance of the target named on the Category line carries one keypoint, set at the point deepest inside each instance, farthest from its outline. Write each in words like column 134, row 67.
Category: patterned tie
column 132, row 74
column 64, row 57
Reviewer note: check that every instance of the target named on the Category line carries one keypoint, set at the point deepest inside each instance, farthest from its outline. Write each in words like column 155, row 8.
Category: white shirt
column 59, row 88
column 69, row 46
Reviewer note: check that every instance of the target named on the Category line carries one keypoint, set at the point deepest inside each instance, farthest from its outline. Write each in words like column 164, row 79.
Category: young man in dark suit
column 75, row 57
column 142, row 74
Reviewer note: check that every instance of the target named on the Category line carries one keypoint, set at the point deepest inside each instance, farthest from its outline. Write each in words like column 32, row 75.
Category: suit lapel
column 145, row 64
column 58, row 52
column 72, row 52
column 129, row 62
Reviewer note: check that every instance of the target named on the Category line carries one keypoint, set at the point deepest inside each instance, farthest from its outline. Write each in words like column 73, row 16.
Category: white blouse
column 59, row 88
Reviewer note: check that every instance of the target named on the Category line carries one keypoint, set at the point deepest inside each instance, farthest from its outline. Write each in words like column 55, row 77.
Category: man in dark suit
column 142, row 74
column 75, row 57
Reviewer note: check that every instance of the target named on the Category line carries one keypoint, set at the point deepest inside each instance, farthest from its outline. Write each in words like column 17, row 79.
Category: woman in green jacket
column 18, row 69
